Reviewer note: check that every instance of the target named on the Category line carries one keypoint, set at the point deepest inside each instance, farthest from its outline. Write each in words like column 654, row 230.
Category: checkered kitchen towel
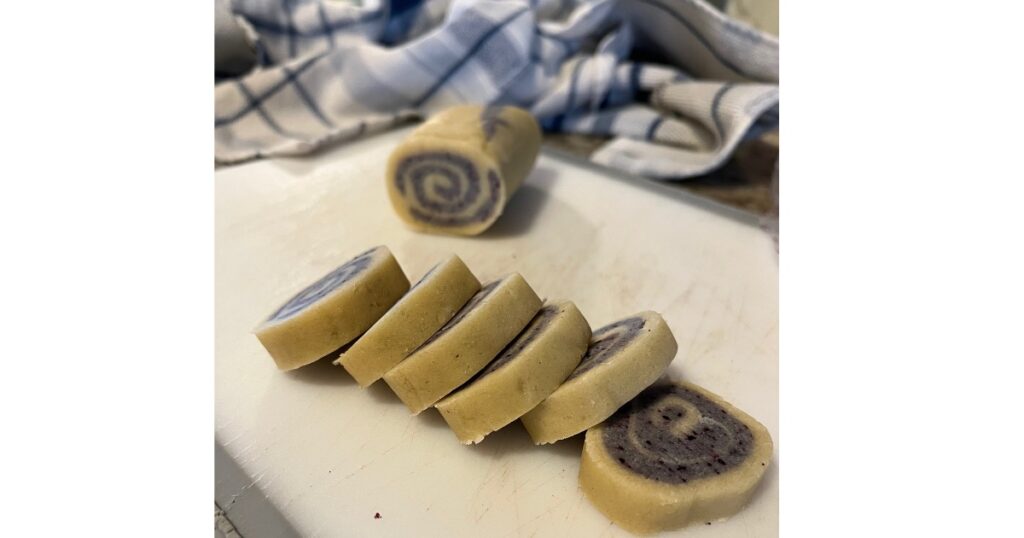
column 332, row 70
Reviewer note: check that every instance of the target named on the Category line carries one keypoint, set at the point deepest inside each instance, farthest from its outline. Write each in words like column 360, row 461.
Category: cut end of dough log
column 676, row 454
column 331, row 312
column 455, row 173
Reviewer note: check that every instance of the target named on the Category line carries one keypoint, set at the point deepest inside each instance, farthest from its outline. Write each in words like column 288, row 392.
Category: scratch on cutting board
column 242, row 491
column 542, row 514
column 515, row 488
column 545, row 481
column 385, row 453
column 487, row 509
column 493, row 469
column 241, row 453
column 575, row 507
column 371, row 462
column 772, row 331
column 516, row 484
column 746, row 526
column 408, row 424
column 487, row 480
column 696, row 330
column 233, row 439
column 360, row 469
column 320, row 529
column 313, row 399
column 680, row 298
column 428, row 465
column 739, row 311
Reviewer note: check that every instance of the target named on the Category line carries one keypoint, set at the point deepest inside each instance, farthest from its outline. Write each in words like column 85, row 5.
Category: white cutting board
column 309, row 453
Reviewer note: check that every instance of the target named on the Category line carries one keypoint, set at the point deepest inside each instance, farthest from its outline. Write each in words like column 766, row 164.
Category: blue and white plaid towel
column 333, row 70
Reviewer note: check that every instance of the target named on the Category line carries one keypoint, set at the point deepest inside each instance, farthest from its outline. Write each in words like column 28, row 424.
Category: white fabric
column 335, row 70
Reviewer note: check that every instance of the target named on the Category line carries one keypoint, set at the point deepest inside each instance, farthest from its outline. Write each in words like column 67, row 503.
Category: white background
column 901, row 269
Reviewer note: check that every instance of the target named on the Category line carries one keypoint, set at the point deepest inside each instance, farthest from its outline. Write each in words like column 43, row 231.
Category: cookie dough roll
column 455, row 172
column 334, row 310
column 623, row 358
column 677, row 454
column 526, row 372
column 418, row 314
column 464, row 346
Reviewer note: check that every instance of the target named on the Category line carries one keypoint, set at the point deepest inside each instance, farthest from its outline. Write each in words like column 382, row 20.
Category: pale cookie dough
column 457, row 170
column 418, row 314
column 526, row 372
column 624, row 358
column 334, row 310
column 676, row 454
column 464, row 346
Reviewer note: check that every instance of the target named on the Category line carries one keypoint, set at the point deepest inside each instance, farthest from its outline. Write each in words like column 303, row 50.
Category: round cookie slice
column 334, row 310
column 676, row 454
column 418, row 314
column 526, row 372
column 623, row 358
column 464, row 346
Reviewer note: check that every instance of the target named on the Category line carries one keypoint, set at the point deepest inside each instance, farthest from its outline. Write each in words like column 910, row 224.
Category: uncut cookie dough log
column 417, row 315
column 623, row 358
column 464, row 346
column 333, row 310
column 457, row 170
column 526, row 372
column 676, row 454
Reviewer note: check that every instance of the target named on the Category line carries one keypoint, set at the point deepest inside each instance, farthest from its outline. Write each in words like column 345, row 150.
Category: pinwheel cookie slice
column 415, row 317
column 623, row 358
column 676, row 454
column 456, row 171
column 527, row 371
column 334, row 310
column 464, row 346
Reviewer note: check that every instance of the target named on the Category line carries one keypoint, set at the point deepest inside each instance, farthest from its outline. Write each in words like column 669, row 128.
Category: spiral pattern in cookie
column 446, row 189
column 325, row 285
column 525, row 338
column 606, row 341
column 672, row 434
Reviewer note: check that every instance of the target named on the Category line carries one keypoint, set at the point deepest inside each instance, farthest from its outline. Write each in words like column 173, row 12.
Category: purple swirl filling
column 540, row 322
column 446, row 203
column 490, row 120
column 655, row 436
column 606, row 342
column 325, row 285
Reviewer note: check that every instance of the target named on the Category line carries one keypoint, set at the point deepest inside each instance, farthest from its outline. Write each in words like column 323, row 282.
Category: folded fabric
column 334, row 70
